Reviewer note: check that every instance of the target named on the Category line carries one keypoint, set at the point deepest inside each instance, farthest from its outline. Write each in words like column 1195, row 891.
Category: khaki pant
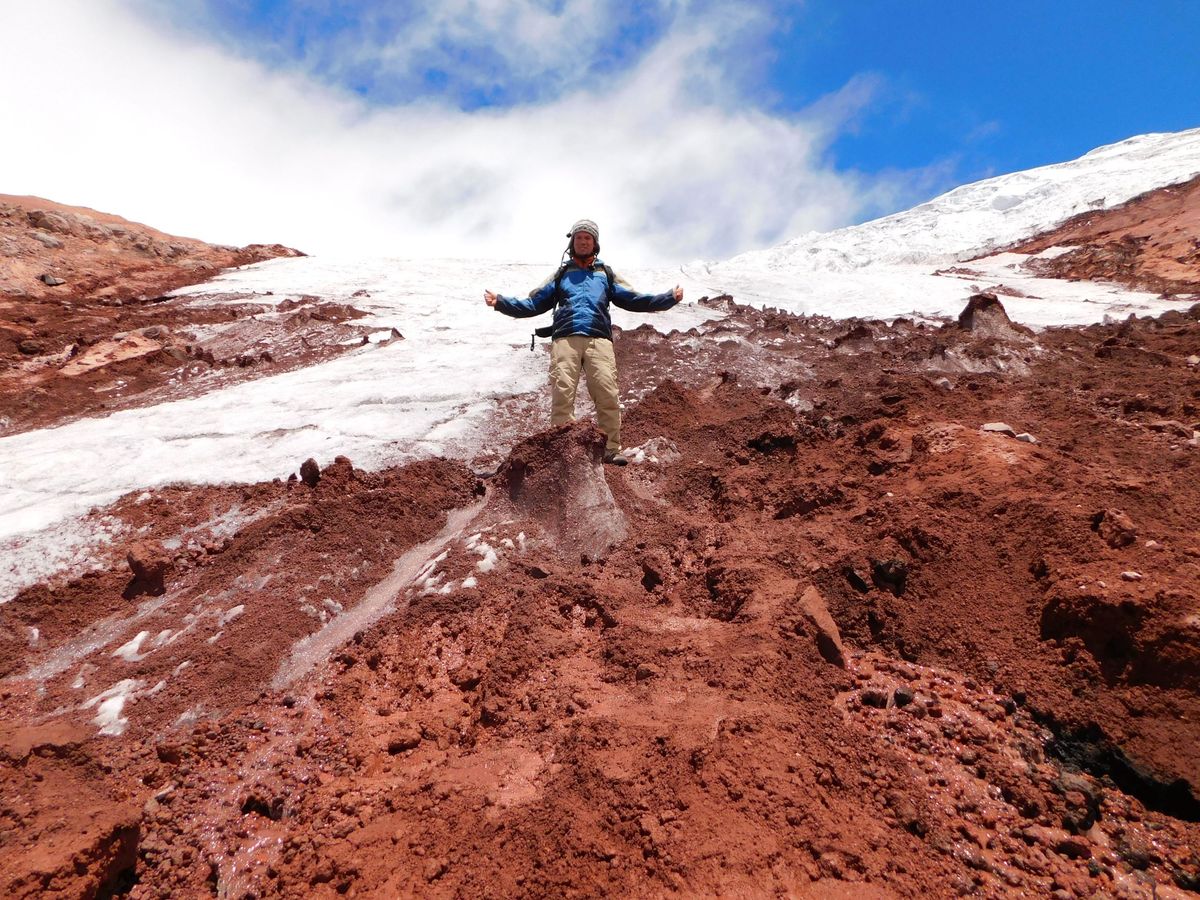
column 594, row 356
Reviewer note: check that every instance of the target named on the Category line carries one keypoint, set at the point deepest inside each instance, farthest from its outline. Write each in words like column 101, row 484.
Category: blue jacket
column 583, row 301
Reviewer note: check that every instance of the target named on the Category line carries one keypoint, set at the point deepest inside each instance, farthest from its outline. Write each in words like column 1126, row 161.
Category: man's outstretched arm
column 540, row 300
column 627, row 298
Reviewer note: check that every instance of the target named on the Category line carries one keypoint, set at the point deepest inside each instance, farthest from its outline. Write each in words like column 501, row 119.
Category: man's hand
column 490, row 299
column 678, row 292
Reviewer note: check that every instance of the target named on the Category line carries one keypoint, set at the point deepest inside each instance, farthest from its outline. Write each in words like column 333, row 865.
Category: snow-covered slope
column 980, row 218
column 890, row 267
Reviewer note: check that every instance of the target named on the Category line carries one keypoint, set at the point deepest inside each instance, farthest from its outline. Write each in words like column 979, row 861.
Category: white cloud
column 162, row 127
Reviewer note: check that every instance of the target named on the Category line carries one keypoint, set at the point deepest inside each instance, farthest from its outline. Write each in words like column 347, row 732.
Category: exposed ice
column 230, row 614
column 111, row 705
column 129, row 651
column 379, row 600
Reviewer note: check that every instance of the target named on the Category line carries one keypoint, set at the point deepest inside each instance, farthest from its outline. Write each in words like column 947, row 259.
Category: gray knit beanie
column 585, row 225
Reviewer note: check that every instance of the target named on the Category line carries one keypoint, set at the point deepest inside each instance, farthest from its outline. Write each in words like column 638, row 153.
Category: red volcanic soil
column 100, row 256
column 836, row 632
column 85, row 326
column 1150, row 243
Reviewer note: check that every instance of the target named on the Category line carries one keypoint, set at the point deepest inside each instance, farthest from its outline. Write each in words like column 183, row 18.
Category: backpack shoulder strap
column 558, row 276
column 608, row 273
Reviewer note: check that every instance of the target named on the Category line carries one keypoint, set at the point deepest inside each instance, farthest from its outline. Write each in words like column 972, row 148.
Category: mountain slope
column 980, row 218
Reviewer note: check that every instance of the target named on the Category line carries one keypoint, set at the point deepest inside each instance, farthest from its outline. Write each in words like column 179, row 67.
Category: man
column 580, row 293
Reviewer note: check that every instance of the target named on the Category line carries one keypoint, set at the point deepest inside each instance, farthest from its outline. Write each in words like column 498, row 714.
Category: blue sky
column 692, row 128
column 996, row 86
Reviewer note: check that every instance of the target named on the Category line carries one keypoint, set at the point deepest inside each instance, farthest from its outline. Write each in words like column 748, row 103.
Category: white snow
column 885, row 268
column 129, row 651
column 489, row 557
column 988, row 215
column 111, row 704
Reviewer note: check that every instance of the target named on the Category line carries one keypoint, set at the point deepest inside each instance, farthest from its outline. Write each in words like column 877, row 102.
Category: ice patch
column 379, row 601
column 490, row 557
column 231, row 614
column 657, row 450
column 470, row 581
column 129, row 651
column 1053, row 252
column 111, row 705
column 80, row 678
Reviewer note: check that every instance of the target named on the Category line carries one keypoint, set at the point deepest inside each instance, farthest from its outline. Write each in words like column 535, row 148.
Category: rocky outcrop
column 52, row 251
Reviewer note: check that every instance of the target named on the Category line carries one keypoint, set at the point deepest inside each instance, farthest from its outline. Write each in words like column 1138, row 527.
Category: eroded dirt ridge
column 879, row 610
column 1150, row 243
column 87, row 326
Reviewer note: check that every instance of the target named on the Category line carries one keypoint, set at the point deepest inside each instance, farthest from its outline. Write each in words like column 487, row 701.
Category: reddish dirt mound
column 1150, row 243
column 828, row 636
column 54, row 254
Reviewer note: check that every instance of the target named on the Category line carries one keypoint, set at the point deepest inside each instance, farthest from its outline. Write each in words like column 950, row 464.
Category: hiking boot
column 614, row 458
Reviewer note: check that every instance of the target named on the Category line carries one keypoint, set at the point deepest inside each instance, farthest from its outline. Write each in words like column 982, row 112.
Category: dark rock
column 856, row 580
column 646, row 671
column 51, row 280
column 874, row 696
column 984, row 316
column 31, row 347
column 890, row 574
column 1074, row 847
column 903, row 695
column 310, row 472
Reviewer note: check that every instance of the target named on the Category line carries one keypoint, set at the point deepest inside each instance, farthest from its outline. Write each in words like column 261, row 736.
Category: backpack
column 547, row 330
